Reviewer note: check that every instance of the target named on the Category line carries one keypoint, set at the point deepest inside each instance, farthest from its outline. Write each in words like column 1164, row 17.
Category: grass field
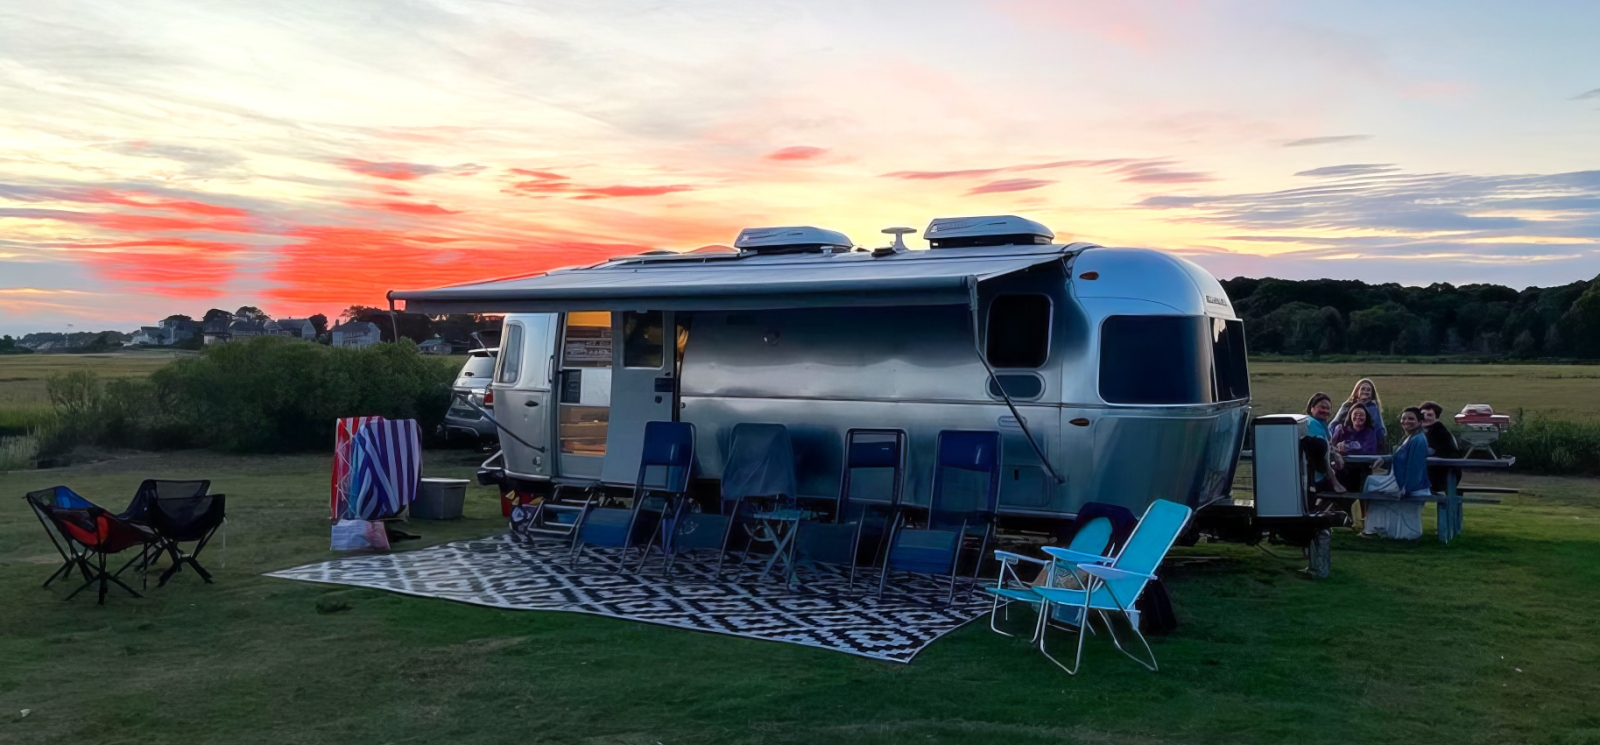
column 23, row 403
column 1561, row 391
column 1491, row 639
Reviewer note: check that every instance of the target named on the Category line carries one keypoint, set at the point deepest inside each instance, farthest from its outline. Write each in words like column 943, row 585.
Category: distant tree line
column 1333, row 316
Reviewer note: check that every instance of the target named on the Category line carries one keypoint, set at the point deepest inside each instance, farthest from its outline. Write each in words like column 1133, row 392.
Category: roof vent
column 791, row 240
column 996, row 230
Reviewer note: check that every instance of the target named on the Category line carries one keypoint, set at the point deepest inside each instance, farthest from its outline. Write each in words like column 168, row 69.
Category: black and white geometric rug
column 505, row 573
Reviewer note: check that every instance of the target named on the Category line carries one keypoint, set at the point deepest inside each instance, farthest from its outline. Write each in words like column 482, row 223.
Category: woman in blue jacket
column 1409, row 466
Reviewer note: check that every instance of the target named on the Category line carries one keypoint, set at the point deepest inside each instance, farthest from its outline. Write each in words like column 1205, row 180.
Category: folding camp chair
column 1115, row 584
column 759, row 465
column 101, row 534
column 190, row 519
column 1099, row 529
column 667, row 445
column 869, row 486
column 665, row 464
column 959, row 514
column 60, row 497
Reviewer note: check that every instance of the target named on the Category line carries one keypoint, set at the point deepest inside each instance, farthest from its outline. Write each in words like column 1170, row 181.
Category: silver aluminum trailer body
column 1125, row 365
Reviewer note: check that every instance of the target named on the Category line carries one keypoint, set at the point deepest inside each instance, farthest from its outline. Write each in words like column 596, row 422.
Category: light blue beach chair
column 1093, row 538
column 1115, row 584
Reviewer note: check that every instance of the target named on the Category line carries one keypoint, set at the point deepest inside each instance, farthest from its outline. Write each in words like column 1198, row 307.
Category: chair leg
column 1133, row 623
column 888, row 554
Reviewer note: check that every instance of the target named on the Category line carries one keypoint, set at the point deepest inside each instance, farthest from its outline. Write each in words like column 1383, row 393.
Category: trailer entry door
column 584, row 392
column 643, row 387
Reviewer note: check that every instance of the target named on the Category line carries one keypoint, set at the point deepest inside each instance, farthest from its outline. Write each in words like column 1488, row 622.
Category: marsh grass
column 18, row 453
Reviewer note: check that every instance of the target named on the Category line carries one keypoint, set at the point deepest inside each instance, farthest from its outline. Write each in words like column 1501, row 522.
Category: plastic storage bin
column 440, row 499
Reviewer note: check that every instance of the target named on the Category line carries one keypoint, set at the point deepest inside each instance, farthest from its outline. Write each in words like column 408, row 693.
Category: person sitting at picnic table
column 1365, row 396
column 1441, row 441
column 1409, row 465
column 1355, row 437
column 1319, row 451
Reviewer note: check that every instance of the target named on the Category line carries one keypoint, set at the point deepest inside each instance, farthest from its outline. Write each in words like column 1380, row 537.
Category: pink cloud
column 796, row 152
column 393, row 170
column 1012, row 184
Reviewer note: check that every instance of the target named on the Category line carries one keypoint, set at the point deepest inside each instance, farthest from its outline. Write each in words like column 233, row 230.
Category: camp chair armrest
column 1079, row 557
column 1109, row 573
column 1007, row 557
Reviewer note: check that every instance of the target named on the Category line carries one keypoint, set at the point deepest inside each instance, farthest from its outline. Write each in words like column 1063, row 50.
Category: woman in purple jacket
column 1355, row 437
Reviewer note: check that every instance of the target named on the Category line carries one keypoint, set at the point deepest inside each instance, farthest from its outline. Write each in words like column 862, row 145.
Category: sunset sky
column 169, row 157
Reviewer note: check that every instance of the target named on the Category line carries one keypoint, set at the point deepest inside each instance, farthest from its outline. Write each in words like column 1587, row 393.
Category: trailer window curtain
column 1156, row 360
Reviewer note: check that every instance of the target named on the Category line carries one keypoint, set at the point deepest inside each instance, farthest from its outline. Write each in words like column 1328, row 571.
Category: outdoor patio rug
column 505, row 573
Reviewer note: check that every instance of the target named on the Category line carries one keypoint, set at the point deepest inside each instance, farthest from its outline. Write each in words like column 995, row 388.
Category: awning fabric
column 744, row 283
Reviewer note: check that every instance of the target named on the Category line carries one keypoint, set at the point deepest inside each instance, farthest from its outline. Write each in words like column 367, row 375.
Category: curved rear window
column 478, row 366
column 1155, row 360
column 511, row 355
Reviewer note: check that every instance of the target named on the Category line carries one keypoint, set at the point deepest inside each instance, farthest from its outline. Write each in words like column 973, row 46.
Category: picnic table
column 1450, row 502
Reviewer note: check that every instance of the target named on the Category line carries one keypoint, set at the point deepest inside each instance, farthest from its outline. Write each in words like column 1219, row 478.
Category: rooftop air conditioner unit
column 996, row 230
column 789, row 240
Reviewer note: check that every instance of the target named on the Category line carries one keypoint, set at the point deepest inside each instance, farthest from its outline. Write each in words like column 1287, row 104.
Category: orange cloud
column 329, row 266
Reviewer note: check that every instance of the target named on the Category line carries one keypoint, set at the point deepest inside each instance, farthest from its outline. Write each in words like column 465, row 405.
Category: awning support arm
column 977, row 345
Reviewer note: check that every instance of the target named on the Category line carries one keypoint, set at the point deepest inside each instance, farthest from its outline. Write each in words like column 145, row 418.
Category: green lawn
column 1492, row 639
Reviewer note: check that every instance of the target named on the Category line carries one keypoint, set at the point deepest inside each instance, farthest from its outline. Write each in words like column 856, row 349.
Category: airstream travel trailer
column 1114, row 375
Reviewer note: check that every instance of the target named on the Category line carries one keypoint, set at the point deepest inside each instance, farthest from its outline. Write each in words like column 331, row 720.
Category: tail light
column 488, row 397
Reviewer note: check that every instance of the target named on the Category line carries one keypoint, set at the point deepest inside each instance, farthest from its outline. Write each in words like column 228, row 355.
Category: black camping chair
column 182, row 512
column 869, row 494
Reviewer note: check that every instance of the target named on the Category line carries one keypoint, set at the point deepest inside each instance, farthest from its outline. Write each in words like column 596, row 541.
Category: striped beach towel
column 386, row 468
column 343, row 435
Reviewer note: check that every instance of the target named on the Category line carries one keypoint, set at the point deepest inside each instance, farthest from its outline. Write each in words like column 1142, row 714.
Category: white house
column 435, row 345
column 356, row 334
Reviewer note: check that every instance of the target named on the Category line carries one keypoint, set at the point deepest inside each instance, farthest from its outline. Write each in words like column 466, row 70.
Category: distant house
column 178, row 329
column 242, row 329
column 435, row 346
column 297, row 328
column 356, row 334
column 151, row 335
column 215, row 330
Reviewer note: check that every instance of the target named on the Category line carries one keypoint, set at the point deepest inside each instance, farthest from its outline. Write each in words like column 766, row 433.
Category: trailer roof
column 742, row 282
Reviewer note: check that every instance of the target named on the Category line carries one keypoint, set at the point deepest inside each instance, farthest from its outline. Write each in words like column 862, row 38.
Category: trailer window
column 642, row 342
column 1228, row 360
column 1019, row 331
column 1155, row 360
column 511, row 355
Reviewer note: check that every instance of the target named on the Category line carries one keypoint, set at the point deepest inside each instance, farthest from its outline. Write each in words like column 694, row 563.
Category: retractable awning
column 937, row 277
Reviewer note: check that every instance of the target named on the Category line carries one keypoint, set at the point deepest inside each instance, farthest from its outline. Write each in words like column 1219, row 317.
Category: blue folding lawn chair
column 869, row 494
column 961, row 511
column 759, row 465
column 668, row 446
column 1114, row 584
column 1096, row 533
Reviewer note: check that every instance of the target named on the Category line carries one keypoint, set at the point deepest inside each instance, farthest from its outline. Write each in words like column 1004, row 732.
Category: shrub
column 1545, row 445
column 276, row 394
column 270, row 394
